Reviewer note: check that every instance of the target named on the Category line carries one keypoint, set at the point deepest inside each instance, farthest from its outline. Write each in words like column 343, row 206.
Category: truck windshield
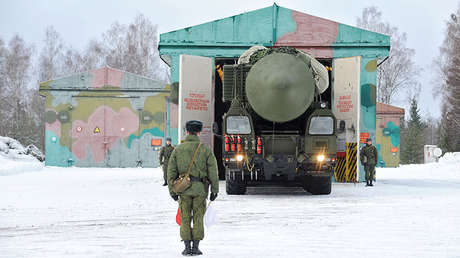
column 238, row 125
column 321, row 125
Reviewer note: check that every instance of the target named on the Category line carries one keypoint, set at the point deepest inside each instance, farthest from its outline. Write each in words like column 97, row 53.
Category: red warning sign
column 157, row 142
column 196, row 101
column 363, row 137
column 345, row 104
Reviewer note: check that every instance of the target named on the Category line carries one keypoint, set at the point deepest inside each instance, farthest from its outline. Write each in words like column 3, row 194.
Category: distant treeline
column 130, row 47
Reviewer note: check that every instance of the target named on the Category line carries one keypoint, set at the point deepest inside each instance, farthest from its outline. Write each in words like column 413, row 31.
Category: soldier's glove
column 213, row 196
column 175, row 197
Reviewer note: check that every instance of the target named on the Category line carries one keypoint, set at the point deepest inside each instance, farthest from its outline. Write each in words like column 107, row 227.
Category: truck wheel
column 317, row 185
column 234, row 187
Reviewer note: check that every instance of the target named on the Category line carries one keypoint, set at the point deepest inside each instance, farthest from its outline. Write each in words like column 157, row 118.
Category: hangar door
column 196, row 95
column 346, row 108
column 101, row 126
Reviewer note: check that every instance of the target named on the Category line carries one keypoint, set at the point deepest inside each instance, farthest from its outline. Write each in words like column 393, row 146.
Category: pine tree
column 412, row 151
column 443, row 135
column 399, row 72
column 403, row 138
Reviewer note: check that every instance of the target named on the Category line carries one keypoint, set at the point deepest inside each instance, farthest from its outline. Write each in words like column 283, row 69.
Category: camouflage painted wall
column 388, row 134
column 104, row 118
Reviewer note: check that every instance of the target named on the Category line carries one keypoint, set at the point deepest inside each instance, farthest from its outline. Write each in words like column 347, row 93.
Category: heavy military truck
column 277, row 130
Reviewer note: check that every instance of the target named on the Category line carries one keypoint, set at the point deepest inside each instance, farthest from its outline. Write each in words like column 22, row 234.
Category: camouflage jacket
column 165, row 153
column 368, row 155
column 204, row 166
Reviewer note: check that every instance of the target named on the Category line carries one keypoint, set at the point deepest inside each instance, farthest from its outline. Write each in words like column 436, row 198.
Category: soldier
column 165, row 153
column 368, row 158
column 192, row 201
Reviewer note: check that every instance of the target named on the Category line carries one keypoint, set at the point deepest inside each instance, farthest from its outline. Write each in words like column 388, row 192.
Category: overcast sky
column 80, row 21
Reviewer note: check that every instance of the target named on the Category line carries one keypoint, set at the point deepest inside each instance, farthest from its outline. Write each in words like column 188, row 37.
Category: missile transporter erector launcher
column 277, row 130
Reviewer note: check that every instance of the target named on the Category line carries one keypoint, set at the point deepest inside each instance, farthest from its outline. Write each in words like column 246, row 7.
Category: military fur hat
column 194, row 126
column 368, row 140
column 168, row 139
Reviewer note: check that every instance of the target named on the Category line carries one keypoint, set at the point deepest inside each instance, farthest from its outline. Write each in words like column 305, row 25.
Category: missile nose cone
column 280, row 87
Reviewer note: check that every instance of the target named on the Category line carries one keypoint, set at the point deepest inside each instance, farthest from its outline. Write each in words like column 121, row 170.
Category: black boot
column 195, row 250
column 165, row 184
column 188, row 249
column 370, row 184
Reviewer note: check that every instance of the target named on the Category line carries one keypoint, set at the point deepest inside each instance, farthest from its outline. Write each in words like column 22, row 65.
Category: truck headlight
column 320, row 158
column 239, row 157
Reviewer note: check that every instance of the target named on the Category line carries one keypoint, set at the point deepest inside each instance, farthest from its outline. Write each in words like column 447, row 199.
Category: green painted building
column 224, row 40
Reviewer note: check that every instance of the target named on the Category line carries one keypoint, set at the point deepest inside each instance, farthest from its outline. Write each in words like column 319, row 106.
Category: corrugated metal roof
column 272, row 26
column 101, row 79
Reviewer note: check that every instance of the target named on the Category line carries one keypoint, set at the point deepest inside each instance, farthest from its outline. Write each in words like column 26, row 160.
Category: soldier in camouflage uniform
column 165, row 153
column 369, row 158
column 192, row 201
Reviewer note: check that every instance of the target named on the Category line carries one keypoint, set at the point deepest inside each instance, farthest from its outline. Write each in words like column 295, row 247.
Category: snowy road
column 413, row 211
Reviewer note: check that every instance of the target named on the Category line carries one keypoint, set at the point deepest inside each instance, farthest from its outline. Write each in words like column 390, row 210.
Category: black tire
column 306, row 183
column 317, row 185
column 234, row 187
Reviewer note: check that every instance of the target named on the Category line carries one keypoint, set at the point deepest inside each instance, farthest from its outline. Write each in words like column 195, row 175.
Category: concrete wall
column 104, row 117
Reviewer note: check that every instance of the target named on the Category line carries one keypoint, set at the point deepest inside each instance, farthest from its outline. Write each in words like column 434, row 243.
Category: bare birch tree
column 131, row 47
column 91, row 57
column 73, row 61
column 3, row 91
column 16, row 74
column 134, row 48
column 399, row 71
column 51, row 55
column 448, row 67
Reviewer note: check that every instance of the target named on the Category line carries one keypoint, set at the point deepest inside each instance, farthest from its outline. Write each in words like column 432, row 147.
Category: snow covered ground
column 23, row 164
column 413, row 211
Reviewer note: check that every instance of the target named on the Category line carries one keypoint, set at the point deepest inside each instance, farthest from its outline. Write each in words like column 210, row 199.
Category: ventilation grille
column 227, row 88
column 235, row 75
